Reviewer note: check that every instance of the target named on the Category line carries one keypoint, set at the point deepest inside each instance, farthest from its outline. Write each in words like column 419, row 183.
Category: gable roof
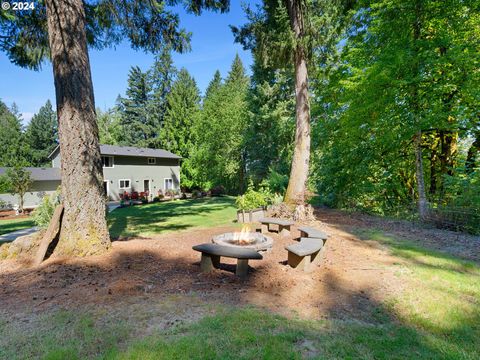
column 39, row 174
column 129, row 151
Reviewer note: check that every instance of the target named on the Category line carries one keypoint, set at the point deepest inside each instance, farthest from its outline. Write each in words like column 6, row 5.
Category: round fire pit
column 247, row 240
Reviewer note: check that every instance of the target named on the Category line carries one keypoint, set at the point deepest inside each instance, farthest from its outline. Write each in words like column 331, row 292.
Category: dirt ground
column 158, row 281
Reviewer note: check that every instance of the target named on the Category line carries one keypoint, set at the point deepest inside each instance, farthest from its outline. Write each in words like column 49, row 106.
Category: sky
column 212, row 48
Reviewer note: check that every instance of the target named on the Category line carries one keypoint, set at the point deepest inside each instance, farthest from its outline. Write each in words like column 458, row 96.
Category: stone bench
column 304, row 253
column 283, row 225
column 310, row 232
column 211, row 254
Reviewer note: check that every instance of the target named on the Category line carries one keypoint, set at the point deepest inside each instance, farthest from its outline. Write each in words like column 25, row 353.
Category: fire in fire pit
column 245, row 239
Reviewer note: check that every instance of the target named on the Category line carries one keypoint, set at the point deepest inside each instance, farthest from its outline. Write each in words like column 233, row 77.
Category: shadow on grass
column 8, row 226
column 164, row 217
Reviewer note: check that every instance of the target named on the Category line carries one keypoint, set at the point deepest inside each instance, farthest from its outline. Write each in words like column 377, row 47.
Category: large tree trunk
column 422, row 198
column 301, row 155
column 84, row 228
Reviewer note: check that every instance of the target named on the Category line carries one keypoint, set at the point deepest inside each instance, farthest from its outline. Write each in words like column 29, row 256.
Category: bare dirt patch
column 353, row 278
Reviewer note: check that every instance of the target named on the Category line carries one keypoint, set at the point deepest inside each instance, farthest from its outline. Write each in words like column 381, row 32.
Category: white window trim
column 129, row 183
column 113, row 162
column 165, row 184
column 151, row 163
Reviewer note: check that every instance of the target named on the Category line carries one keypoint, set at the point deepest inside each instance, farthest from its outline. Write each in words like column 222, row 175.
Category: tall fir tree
column 42, row 135
column 220, row 154
column 139, row 126
column 13, row 149
column 214, row 84
column 183, row 105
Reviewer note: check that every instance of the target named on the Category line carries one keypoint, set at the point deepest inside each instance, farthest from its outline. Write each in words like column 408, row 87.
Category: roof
column 40, row 174
column 129, row 151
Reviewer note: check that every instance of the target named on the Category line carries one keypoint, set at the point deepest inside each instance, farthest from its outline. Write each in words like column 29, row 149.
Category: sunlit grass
column 7, row 226
column 164, row 217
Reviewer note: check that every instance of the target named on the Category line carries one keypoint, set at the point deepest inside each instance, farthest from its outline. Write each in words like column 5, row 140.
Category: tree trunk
column 297, row 183
column 422, row 198
column 84, row 228
column 474, row 149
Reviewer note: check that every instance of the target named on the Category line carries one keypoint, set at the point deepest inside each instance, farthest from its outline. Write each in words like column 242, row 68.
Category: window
column 107, row 161
column 124, row 184
column 152, row 161
column 168, row 184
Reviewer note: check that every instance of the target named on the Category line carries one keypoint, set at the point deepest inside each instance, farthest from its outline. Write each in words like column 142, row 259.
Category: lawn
column 437, row 316
column 164, row 217
column 157, row 218
column 7, row 226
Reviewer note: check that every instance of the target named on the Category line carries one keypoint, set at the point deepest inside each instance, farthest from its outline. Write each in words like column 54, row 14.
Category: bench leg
column 298, row 262
column 264, row 228
column 242, row 268
column 209, row 262
column 284, row 230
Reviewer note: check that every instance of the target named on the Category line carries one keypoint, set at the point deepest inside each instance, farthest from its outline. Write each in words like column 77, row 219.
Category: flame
column 242, row 235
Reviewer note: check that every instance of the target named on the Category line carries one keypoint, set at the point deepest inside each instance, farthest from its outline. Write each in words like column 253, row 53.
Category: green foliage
column 182, row 112
column 109, row 127
column 44, row 212
column 42, row 135
column 19, row 182
column 254, row 199
column 219, row 154
column 13, row 148
column 147, row 25
column 403, row 69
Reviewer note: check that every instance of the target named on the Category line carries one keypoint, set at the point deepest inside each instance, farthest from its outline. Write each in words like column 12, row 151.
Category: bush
column 44, row 212
column 217, row 190
column 276, row 182
column 252, row 199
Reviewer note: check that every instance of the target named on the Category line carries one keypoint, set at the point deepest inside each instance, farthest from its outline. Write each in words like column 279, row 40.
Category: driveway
column 13, row 235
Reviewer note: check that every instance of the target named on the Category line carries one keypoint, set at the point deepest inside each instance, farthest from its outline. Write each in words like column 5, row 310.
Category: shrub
column 217, row 190
column 44, row 212
column 276, row 182
column 252, row 199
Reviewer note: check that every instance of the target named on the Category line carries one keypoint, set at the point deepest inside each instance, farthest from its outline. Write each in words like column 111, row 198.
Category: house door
column 146, row 186
column 105, row 187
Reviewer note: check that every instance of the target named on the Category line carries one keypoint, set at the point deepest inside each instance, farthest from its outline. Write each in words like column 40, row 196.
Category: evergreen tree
column 162, row 75
column 214, row 84
column 42, row 135
column 220, row 157
column 13, row 149
column 109, row 126
column 183, row 105
column 139, row 126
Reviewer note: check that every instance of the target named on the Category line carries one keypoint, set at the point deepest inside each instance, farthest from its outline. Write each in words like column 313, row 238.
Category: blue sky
column 212, row 48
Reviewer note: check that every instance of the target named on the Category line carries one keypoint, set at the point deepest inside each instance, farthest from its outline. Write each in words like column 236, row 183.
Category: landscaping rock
column 24, row 246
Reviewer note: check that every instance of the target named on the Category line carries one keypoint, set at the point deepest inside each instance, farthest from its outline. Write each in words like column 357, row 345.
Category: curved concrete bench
column 283, row 225
column 304, row 253
column 310, row 232
column 211, row 254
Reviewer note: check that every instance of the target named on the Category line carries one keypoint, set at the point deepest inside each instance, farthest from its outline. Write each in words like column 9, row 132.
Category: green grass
column 159, row 218
column 7, row 226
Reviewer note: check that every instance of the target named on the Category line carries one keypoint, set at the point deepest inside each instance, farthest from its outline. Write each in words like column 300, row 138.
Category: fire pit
column 244, row 239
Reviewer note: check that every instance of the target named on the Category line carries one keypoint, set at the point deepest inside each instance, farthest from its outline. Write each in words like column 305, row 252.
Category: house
column 125, row 169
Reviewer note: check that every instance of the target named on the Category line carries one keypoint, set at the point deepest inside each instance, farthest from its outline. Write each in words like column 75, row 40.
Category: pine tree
column 42, row 135
column 13, row 149
column 183, row 105
column 220, row 154
column 139, row 127
column 214, row 84
column 162, row 75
